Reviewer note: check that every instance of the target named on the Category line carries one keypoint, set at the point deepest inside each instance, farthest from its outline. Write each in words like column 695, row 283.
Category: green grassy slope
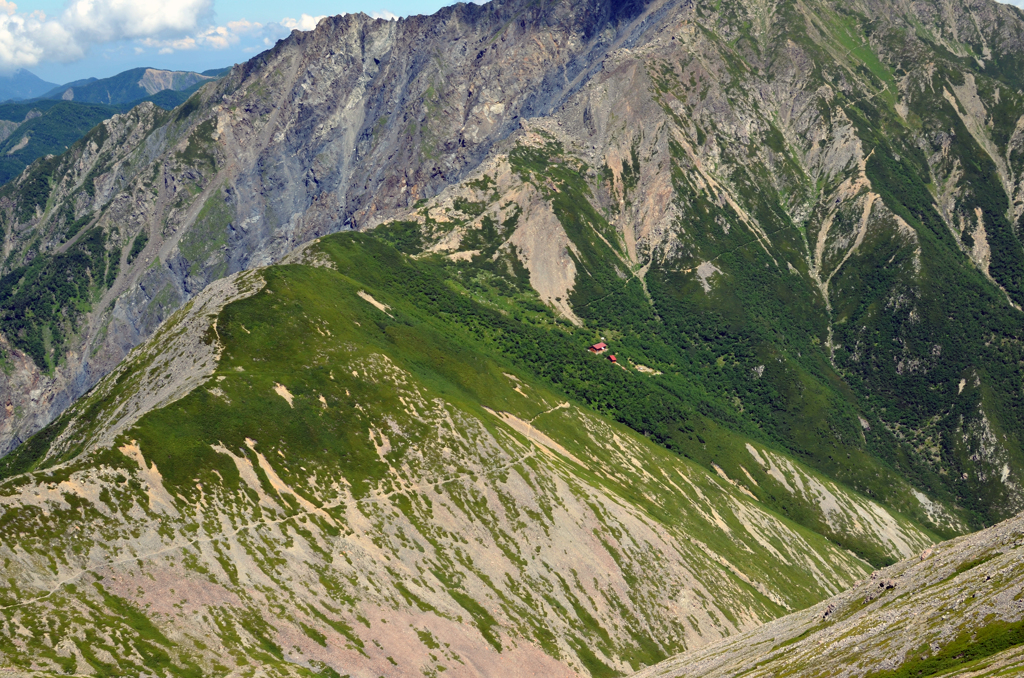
column 737, row 366
column 360, row 452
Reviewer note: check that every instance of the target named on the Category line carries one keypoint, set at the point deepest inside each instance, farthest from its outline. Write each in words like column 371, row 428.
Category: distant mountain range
column 131, row 86
column 55, row 116
column 22, row 84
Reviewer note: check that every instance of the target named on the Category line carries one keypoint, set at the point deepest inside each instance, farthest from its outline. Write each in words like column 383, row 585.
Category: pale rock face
column 154, row 80
column 544, row 249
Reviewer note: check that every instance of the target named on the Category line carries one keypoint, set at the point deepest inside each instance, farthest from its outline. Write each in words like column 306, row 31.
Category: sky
column 66, row 40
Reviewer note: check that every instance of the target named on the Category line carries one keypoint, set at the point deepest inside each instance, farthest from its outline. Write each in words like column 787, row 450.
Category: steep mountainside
column 314, row 469
column 793, row 238
column 48, row 126
column 243, row 172
column 956, row 610
column 796, row 222
column 37, row 129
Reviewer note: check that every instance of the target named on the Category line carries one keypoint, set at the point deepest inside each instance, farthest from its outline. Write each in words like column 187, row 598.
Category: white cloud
column 28, row 38
column 215, row 37
column 384, row 14
column 109, row 20
column 304, row 23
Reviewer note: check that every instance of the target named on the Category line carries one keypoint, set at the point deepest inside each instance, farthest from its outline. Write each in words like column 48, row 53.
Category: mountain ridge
column 126, row 87
column 433, row 503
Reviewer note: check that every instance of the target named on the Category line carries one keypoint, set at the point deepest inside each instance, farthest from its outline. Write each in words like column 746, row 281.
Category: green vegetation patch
column 139, row 244
column 404, row 236
column 199, row 151
column 26, row 456
column 971, row 564
column 41, row 303
column 969, row 646
column 33, row 192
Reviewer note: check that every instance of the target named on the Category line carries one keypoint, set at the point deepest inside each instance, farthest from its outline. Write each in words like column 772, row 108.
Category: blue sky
column 65, row 40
